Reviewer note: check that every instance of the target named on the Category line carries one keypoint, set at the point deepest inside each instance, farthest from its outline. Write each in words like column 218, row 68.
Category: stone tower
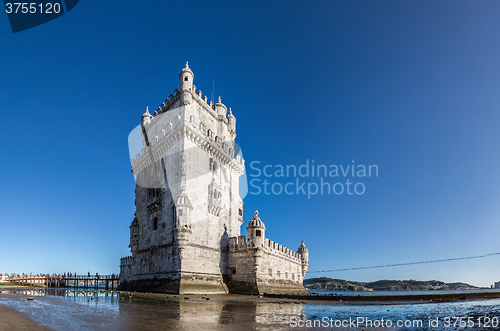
column 187, row 196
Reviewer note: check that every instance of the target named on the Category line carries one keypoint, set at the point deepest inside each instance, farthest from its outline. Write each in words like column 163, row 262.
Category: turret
column 182, row 210
column 305, row 257
column 186, row 78
column 146, row 116
column 231, row 120
column 256, row 231
column 134, row 236
column 220, row 109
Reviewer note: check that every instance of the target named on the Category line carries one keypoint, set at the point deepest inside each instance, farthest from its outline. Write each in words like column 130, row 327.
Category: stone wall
column 268, row 268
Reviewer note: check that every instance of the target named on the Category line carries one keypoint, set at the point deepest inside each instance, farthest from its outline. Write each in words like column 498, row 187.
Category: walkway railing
column 67, row 280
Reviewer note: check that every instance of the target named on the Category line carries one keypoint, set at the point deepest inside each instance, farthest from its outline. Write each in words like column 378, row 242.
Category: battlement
column 239, row 244
column 197, row 96
column 126, row 261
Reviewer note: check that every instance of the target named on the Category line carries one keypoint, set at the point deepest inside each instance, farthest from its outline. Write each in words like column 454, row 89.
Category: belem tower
column 185, row 237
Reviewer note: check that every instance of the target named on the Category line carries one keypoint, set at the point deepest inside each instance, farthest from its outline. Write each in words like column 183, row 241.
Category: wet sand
column 11, row 319
column 76, row 310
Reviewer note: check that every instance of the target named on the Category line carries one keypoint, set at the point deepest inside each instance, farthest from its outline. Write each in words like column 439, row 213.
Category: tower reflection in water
column 111, row 310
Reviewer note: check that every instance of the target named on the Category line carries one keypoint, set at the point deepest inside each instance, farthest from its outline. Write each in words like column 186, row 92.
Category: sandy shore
column 134, row 311
column 11, row 319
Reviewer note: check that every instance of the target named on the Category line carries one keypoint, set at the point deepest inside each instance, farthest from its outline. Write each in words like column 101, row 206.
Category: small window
column 258, row 233
column 186, row 79
column 286, row 275
column 270, row 272
column 278, row 273
column 212, row 165
column 155, row 223
column 234, row 271
column 241, row 212
column 293, row 276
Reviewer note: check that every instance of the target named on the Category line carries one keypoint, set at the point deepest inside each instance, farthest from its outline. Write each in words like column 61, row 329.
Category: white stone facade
column 185, row 237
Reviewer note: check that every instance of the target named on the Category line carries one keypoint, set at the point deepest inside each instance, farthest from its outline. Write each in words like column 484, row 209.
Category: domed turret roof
column 255, row 222
column 183, row 200
column 146, row 116
column 220, row 108
column 302, row 247
column 186, row 69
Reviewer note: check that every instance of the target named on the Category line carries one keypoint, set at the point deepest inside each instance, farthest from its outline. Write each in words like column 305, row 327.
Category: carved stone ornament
column 187, row 99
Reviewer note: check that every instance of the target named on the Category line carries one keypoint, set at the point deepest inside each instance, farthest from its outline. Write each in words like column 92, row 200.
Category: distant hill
column 330, row 284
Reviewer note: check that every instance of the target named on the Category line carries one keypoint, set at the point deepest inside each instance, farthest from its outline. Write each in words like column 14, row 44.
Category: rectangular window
column 278, row 273
column 270, row 272
column 241, row 212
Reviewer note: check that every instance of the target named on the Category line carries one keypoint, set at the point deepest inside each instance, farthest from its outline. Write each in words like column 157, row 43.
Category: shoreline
column 406, row 298
column 13, row 319
column 271, row 298
column 185, row 311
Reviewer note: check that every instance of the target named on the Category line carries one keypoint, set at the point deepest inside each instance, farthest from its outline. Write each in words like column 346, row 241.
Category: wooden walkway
column 67, row 280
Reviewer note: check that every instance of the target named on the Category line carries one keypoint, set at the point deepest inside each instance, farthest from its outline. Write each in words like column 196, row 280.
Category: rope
column 410, row 263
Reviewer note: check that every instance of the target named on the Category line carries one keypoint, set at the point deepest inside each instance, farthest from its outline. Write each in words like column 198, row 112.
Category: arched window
column 212, row 165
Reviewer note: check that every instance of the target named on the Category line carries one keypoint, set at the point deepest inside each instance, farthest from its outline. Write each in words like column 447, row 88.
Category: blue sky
column 411, row 87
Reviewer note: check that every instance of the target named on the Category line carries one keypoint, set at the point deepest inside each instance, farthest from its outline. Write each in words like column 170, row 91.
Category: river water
column 100, row 310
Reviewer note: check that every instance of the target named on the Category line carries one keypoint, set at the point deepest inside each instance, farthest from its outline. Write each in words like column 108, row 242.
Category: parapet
column 240, row 244
column 126, row 261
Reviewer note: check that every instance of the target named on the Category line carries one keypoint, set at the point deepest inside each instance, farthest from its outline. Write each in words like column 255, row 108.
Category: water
column 100, row 310
column 388, row 293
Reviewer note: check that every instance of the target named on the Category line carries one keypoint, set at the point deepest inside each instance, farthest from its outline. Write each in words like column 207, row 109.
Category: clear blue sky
column 411, row 86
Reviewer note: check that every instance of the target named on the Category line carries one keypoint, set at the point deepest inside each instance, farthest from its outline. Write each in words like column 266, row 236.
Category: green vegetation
column 329, row 284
